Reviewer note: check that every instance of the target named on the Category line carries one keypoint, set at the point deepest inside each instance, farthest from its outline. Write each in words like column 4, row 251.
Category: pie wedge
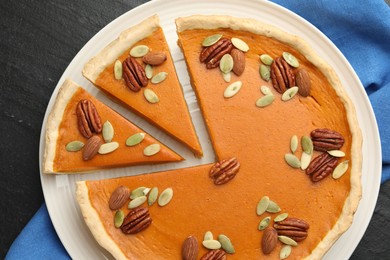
column 65, row 145
column 170, row 113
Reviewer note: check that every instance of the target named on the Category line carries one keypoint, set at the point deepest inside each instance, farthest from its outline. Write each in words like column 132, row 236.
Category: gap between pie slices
column 259, row 138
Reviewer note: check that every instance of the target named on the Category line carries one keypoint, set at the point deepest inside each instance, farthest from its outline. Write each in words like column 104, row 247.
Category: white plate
column 59, row 191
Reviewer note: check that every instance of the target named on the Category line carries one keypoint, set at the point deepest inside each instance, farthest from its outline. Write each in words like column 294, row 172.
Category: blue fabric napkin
column 360, row 29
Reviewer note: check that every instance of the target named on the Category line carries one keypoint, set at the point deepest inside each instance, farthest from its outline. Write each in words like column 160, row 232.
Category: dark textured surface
column 38, row 39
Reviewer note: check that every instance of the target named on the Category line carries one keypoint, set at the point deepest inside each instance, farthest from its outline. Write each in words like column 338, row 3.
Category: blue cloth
column 360, row 29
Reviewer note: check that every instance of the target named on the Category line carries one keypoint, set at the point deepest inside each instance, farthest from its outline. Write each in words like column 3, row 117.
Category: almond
column 239, row 61
column 91, row 147
column 269, row 241
column 154, row 58
column 189, row 249
column 119, row 197
column 302, row 80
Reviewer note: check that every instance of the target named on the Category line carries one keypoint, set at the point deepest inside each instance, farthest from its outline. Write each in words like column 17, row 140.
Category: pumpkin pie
column 146, row 82
column 83, row 134
column 288, row 149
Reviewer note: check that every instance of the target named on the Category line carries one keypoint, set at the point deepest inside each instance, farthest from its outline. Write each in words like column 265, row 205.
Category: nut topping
column 154, row 58
column 91, row 148
column 269, row 240
column 282, row 75
column 189, row 250
column 225, row 170
column 238, row 61
column 321, row 166
column 88, row 119
column 134, row 74
column 212, row 55
column 217, row 254
column 119, row 197
column 303, row 82
column 293, row 228
column 137, row 220
column 326, row 139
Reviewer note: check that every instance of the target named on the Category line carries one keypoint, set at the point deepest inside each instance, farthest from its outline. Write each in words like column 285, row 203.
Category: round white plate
column 59, row 191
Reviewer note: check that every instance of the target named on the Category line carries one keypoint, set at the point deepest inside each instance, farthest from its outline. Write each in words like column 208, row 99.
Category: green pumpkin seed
column 210, row 40
column 340, row 169
column 265, row 101
column 138, row 192
column 265, row 72
column 266, row 90
column 264, row 223
column 74, row 146
column 262, row 205
column 240, row 44
column 290, row 59
column 159, row 77
column 289, row 93
column 208, row 236
column 280, row 217
column 226, row 63
column 146, row 191
column 153, row 196
column 165, row 197
column 292, row 160
column 211, row 244
column 305, row 160
column 108, row 147
column 294, row 143
column 118, row 218
column 285, row 252
column 266, row 59
column 107, row 132
column 307, row 144
column 232, row 89
column 151, row 96
column 135, row 139
column 152, row 149
column 118, row 70
column 139, row 51
column 226, row 244
column 137, row 202
column 336, row 153
column 273, row 207
column 227, row 76
column 287, row 241
column 149, row 71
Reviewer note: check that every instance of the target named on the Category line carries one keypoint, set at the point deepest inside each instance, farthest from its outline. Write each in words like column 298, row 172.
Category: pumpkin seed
column 232, row 89
column 294, row 143
column 151, row 96
column 305, row 160
column 149, row 71
column 165, row 197
column 266, row 90
column 336, row 153
column 265, row 72
column 210, row 40
column 211, row 244
column 137, row 202
column 292, row 160
column 264, row 223
column 266, row 59
column 285, row 252
column 159, row 77
column 307, row 144
column 118, row 218
column 153, row 196
column 227, row 76
column 74, row 146
column 226, row 63
column 262, row 205
column 152, row 149
column 107, row 132
column 289, row 93
column 273, row 207
column 265, row 101
column 208, row 236
column 135, row 139
column 146, row 191
column 108, row 147
column 290, row 59
column 340, row 169
column 139, row 51
column 280, row 217
column 138, row 192
column 287, row 241
column 118, row 69
column 226, row 244
column 240, row 44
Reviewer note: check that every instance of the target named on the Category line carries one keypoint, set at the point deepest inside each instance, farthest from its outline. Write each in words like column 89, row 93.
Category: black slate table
column 38, row 39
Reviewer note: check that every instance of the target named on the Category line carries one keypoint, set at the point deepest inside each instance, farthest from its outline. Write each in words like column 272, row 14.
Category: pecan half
column 134, row 74
column 326, row 139
column 137, row 220
column 189, row 250
column 216, row 254
column 119, row 197
column 224, row 170
column 321, row 167
column 269, row 240
column 282, row 75
column 293, row 228
column 212, row 55
column 88, row 119
column 91, row 148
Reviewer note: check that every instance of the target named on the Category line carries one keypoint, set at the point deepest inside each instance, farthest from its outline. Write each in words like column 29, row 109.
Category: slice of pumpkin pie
column 137, row 70
column 83, row 134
